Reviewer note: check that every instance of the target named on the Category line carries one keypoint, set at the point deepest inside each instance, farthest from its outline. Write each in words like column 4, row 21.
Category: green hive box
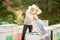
column 58, row 36
column 9, row 37
column 26, row 34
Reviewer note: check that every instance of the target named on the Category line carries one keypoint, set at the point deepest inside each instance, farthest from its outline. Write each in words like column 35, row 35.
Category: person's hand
column 34, row 18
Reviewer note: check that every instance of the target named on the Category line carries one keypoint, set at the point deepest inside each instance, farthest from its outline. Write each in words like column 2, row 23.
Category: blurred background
column 13, row 11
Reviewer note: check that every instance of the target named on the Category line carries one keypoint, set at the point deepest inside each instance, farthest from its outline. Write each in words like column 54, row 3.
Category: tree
column 18, row 7
column 50, row 8
column 14, row 7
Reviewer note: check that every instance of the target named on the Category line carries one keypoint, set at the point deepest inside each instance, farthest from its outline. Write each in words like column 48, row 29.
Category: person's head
column 33, row 9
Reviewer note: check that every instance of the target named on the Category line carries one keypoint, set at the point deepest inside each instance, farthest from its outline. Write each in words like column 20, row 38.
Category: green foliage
column 15, row 3
column 50, row 8
column 52, row 13
column 5, row 15
column 10, row 19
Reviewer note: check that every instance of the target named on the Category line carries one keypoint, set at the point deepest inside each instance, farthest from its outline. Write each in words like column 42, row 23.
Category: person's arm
column 39, row 11
column 35, row 17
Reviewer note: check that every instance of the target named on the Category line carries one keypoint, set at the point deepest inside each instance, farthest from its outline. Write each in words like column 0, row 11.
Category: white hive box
column 7, row 30
column 32, row 37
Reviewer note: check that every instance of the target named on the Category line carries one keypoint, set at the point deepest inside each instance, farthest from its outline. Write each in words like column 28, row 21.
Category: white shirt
column 29, row 18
